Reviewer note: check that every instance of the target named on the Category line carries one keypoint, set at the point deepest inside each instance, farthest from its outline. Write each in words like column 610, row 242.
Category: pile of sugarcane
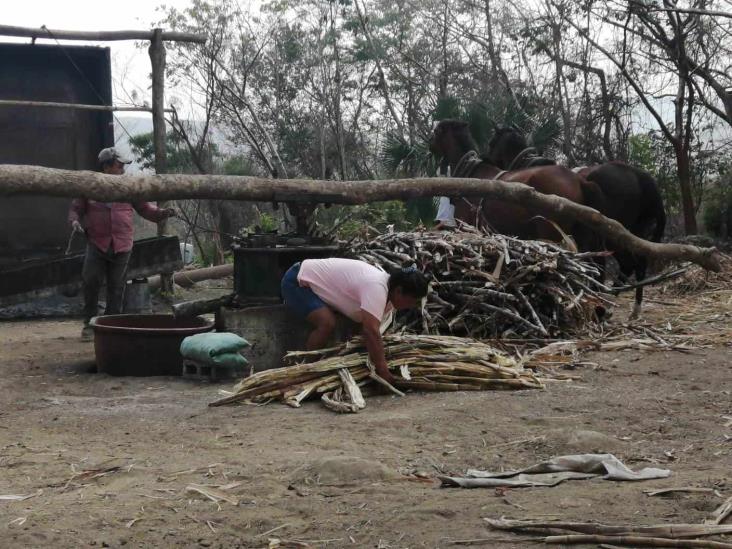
column 421, row 362
column 491, row 285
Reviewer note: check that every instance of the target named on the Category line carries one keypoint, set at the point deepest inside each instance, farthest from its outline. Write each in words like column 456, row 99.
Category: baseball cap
column 109, row 154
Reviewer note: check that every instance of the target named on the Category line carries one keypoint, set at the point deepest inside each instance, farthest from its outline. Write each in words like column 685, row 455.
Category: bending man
column 315, row 288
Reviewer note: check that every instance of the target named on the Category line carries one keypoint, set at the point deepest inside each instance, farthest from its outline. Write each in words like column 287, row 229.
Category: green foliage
column 238, row 165
column 448, row 107
column 480, row 123
column 267, row 222
column 545, row 132
column 179, row 158
column 421, row 211
column 651, row 153
column 307, row 70
column 717, row 212
column 142, row 149
column 483, row 116
column 640, row 152
column 353, row 220
column 399, row 159
column 206, row 252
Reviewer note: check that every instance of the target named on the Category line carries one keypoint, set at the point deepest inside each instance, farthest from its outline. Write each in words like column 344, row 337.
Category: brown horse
column 451, row 141
column 631, row 197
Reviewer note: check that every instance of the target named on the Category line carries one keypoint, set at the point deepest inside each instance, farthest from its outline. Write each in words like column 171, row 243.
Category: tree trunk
column 218, row 251
column 188, row 278
column 567, row 131
column 384, row 83
column 37, row 180
column 337, row 95
column 687, row 198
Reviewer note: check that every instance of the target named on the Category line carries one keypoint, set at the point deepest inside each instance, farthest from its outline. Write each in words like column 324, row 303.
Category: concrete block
column 208, row 372
column 272, row 331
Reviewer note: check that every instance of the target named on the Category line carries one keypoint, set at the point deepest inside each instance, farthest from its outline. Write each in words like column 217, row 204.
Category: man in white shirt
column 445, row 217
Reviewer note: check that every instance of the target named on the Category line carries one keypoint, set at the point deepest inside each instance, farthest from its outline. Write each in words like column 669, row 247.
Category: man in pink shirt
column 109, row 231
column 316, row 288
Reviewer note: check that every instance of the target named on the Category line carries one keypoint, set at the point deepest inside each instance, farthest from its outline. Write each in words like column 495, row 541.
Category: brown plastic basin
column 143, row 345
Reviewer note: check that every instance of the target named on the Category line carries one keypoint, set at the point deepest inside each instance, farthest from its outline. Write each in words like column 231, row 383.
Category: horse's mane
column 508, row 137
column 460, row 130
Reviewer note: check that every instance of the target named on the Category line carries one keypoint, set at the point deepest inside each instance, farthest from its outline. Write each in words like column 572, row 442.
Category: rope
column 467, row 164
column 517, row 162
column 465, row 168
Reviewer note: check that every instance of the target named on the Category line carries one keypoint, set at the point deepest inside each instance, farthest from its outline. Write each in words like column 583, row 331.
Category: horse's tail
column 593, row 195
column 587, row 239
column 653, row 204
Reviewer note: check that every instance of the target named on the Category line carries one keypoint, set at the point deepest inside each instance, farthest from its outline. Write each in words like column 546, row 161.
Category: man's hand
column 375, row 346
column 76, row 227
column 387, row 376
column 170, row 212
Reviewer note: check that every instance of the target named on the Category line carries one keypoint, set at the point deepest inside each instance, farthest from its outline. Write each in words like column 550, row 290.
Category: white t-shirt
column 445, row 212
column 347, row 285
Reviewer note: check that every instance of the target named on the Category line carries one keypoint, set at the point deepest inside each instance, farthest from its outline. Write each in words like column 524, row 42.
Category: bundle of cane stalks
column 422, row 362
column 491, row 285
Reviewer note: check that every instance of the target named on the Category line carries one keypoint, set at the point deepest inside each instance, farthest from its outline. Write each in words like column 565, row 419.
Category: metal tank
column 36, row 226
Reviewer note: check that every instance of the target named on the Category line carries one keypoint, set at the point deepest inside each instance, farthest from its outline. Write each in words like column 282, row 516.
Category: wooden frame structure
column 156, row 51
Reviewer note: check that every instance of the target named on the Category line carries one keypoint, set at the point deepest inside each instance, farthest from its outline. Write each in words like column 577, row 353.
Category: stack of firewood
column 491, row 285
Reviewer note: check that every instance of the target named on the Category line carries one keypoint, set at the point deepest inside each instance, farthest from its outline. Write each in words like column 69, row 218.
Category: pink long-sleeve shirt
column 109, row 224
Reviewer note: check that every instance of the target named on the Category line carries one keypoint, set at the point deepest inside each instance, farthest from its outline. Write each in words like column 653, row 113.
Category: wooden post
column 157, row 60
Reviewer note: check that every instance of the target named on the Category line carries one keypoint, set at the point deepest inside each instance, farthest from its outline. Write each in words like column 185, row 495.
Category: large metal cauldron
column 143, row 345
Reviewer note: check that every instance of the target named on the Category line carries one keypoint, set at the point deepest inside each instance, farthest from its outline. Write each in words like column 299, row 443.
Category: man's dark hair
column 106, row 163
column 412, row 282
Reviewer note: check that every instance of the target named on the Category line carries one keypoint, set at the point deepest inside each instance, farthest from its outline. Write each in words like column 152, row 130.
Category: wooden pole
column 188, row 278
column 202, row 306
column 100, row 36
column 37, row 180
column 157, row 60
column 79, row 106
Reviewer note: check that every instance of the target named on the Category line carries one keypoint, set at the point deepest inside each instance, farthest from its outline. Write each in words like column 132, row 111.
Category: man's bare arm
column 375, row 345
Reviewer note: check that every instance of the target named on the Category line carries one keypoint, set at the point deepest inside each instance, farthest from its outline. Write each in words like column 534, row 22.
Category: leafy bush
column 717, row 213
column 349, row 221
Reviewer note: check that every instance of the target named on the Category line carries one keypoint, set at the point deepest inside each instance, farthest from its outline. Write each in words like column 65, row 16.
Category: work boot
column 87, row 333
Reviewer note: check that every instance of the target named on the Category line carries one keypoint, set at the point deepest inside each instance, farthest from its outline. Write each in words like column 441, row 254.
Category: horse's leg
column 641, row 266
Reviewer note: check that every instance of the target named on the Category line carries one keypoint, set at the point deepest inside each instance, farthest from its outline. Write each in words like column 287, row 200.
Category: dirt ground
column 61, row 427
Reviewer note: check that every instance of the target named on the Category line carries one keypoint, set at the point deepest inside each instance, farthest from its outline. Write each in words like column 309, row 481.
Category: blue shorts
column 302, row 301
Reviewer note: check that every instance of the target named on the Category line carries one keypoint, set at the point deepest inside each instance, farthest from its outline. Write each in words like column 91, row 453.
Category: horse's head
column 450, row 140
column 505, row 145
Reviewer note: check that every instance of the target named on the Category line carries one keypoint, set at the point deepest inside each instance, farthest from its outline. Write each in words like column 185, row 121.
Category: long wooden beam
column 98, row 36
column 36, row 180
column 79, row 106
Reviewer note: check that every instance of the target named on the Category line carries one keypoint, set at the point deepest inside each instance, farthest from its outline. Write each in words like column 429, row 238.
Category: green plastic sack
column 209, row 346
